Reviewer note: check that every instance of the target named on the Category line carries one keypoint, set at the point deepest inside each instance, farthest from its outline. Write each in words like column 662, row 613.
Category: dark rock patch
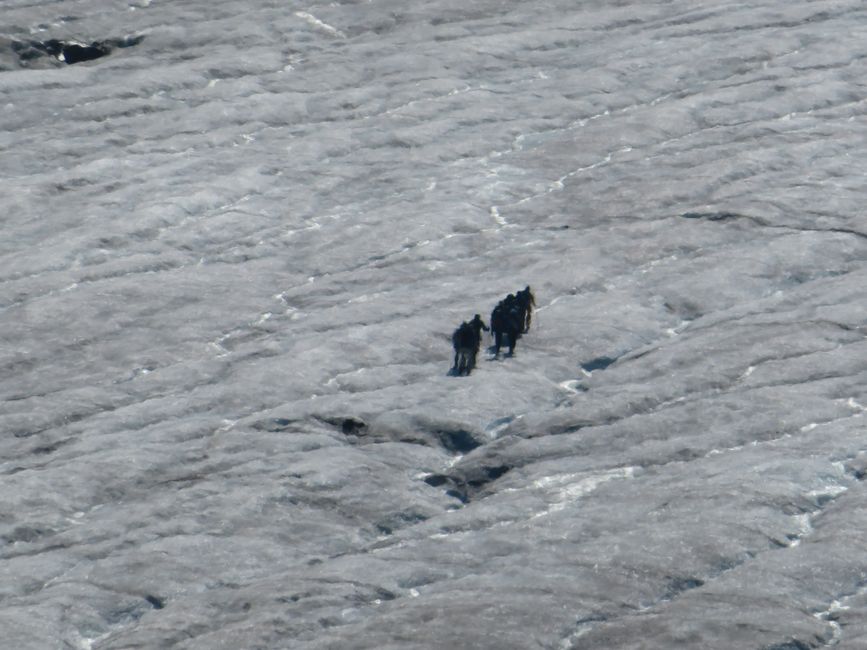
column 352, row 427
column 436, row 480
column 69, row 51
column 155, row 602
column 348, row 425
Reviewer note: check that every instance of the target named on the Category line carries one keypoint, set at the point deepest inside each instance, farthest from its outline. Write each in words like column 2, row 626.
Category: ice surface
column 232, row 259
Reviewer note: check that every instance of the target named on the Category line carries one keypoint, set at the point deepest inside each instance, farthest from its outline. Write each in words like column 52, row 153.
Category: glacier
column 234, row 249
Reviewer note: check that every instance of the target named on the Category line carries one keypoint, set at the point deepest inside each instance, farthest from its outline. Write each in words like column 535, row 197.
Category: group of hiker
column 509, row 320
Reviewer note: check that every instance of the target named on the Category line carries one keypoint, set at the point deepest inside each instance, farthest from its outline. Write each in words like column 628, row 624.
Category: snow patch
column 318, row 24
column 715, row 452
column 567, row 488
column 222, row 351
column 495, row 214
column 827, row 492
column 674, row 331
column 805, row 527
column 854, row 404
column 87, row 643
column 828, row 616
column 555, row 301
